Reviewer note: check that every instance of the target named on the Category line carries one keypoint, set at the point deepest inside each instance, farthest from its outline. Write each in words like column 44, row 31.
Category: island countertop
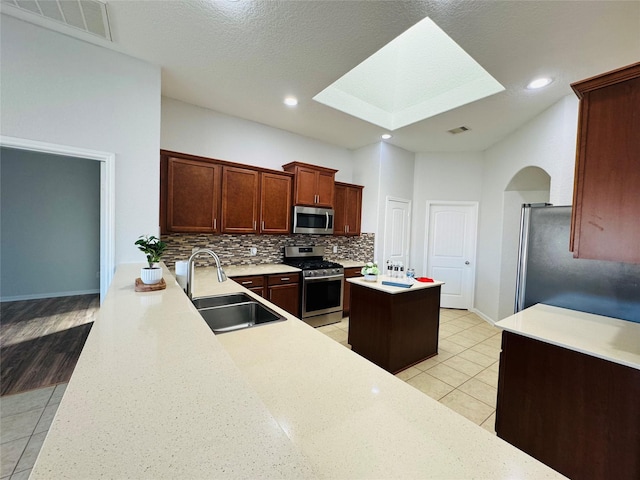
column 377, row 285
column 603, row 337
column 156, row 394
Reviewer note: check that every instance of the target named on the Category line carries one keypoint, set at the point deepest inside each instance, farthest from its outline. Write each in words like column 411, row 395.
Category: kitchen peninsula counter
column 576, row 377
column 156, row 394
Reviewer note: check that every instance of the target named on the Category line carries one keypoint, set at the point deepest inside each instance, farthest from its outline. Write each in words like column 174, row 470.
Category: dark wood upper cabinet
column 348, row 209
column 191, row 196
column 240, row 197
column 313, row 185
column 275, row 203
column 605, row 221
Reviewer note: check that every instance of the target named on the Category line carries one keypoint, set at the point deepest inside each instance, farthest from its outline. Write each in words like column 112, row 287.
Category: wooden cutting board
column 143, row 287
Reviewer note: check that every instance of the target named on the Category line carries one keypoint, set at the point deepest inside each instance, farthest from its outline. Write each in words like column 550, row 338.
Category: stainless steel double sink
column 226, row 313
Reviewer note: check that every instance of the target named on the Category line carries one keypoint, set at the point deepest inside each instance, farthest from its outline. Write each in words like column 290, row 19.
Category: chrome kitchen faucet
column 191, row 267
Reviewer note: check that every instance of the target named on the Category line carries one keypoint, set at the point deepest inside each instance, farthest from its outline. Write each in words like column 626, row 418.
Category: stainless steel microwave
column 313, row 220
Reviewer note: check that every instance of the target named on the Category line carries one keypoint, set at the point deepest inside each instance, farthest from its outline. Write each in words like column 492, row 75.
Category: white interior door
column 451, row 250
column 396, row 232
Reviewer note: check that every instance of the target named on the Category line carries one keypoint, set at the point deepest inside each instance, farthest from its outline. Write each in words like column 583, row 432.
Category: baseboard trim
column 39, row 296
column 482, row 315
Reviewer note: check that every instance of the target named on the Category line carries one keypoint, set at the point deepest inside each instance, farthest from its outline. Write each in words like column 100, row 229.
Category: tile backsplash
column 235, row 249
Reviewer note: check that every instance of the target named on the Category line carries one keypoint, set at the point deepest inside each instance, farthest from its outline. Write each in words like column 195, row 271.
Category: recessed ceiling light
column 386, row 136
column 291, row 101
column 539, row 83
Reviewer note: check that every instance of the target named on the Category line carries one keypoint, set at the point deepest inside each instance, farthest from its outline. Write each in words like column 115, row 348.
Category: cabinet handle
column 247, row 283
column 214, row 223
column 347, row 228
column 255, row 224
column 262, row 227
column 283, row 279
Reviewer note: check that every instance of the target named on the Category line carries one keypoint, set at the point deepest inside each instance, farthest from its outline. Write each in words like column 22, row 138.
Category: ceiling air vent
column 455, row 131
column 87, row 15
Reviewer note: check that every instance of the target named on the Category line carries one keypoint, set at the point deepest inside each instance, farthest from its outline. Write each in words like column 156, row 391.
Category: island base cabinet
column 394, row 331
column 574, row 412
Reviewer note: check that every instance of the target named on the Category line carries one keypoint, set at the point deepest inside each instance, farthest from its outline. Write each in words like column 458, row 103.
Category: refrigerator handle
column 521, row 275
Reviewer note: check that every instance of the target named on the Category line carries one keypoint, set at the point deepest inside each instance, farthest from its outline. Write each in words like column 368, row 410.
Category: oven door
column 322, row 295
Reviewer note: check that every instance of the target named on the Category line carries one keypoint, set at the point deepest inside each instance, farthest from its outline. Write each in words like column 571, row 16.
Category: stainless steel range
column 322, row 284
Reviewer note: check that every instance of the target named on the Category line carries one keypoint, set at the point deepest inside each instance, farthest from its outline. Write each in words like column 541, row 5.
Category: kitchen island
column 156, row 394
column 394, row 327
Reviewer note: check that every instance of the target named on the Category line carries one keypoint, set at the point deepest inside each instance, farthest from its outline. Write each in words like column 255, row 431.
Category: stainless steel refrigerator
column 548, row 273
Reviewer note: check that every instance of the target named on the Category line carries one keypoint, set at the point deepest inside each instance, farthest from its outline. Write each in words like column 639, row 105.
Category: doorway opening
column 106, row 194
column 529, row 185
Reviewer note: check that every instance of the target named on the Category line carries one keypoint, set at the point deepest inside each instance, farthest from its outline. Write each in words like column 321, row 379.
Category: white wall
column 548, row 141
column 60, row 90
column 441, row 176
column 199, row 131
column 366, row 171
column 384, row 170
column 50, row 225
column 396, row 180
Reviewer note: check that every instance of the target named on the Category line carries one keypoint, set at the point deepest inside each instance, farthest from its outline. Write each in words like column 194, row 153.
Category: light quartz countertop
column 377, row 285
column 259, row 269
column 603, row 337
column 351, row 263
column 156, row 394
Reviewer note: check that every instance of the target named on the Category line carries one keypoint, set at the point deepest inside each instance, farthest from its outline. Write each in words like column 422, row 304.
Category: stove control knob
column 324, row 272
column 308, row 274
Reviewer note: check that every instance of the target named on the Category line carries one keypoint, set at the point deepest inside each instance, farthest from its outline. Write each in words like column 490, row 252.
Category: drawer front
column 352, row 272
column 283, row 278
column 250, row 281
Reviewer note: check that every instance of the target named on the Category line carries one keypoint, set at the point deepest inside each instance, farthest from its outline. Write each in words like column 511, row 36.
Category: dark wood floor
column 41, row 340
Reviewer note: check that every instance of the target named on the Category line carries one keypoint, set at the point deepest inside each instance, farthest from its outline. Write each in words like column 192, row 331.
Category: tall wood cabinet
column 313, row 185
column 606, row 203
column 348, row 209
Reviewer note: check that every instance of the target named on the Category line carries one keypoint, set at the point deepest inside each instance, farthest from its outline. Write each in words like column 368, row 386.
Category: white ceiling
column 242, row 58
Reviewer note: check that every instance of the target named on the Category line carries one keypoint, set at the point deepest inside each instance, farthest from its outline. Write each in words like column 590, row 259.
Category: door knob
column 467, row 262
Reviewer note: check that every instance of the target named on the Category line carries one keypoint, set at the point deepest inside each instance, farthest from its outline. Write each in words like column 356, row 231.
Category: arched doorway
column 529, row 185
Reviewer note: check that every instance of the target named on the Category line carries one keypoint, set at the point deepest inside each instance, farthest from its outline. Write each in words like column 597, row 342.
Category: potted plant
column 370, row 271
column 153, row 248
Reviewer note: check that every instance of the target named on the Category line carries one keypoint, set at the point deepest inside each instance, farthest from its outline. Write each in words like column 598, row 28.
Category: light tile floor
column 464, row 374
column 25, row 419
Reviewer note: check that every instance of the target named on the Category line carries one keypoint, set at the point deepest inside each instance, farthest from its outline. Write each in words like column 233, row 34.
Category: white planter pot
column 150, row 276
column 371, row 278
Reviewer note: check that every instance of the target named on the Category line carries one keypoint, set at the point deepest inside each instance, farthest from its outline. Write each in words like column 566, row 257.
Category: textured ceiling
column 242, row 58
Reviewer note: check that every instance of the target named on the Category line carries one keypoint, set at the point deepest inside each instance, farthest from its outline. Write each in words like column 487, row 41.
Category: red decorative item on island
column 425, row 279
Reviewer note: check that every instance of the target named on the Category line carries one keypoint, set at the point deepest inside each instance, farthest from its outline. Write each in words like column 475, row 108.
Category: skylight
column 417, row 75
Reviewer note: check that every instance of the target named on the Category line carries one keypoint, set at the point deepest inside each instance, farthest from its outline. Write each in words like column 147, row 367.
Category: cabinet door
column 193, row 191
column 305, row 191
column 339, row 208
column 353, row 210
column 275, row 203
column 346, row 301
column 239, row 200
column 325, row 189
column 286, row 296
column 605, row 217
